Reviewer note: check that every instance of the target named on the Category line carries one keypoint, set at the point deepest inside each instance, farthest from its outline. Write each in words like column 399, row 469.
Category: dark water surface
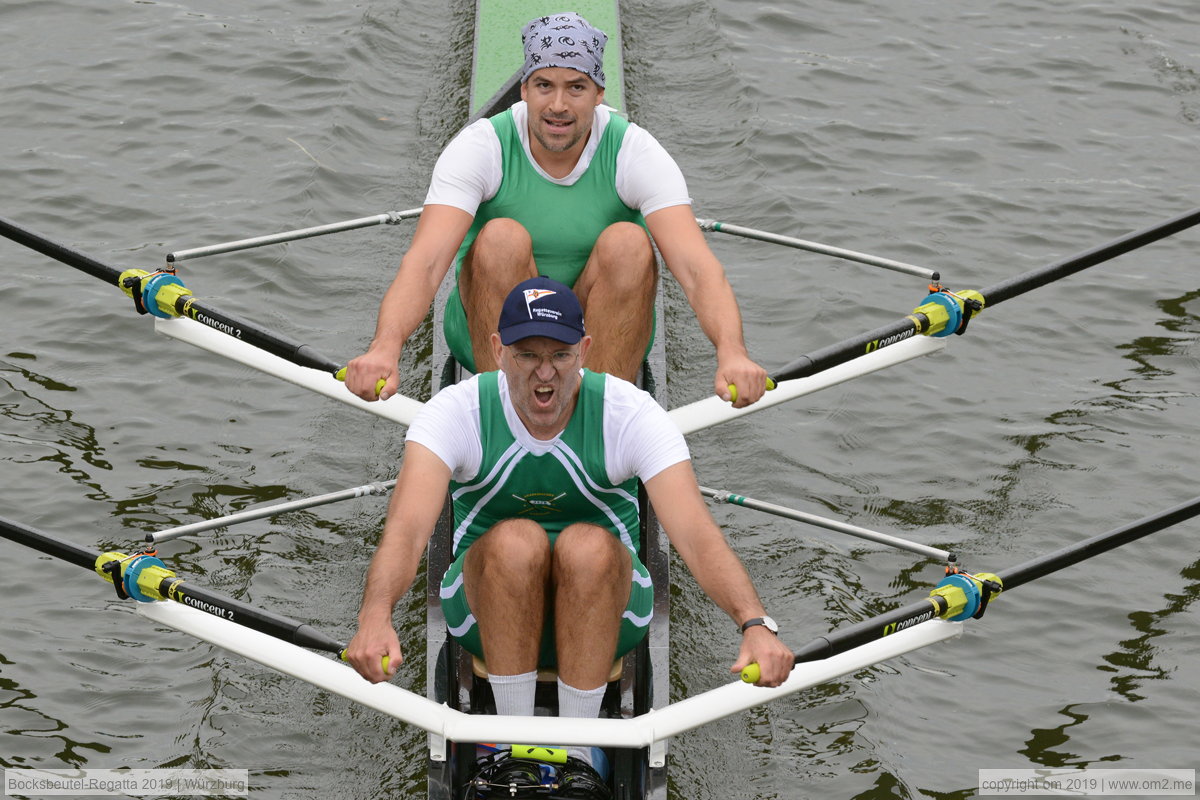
column 978, row 140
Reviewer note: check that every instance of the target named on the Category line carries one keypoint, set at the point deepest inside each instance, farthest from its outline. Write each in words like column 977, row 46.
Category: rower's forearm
column 741, row 602
column 411, row 518
column 404, row 307
column 717, row 312
column 382, row 592
column 724, row 578
column 391, row 574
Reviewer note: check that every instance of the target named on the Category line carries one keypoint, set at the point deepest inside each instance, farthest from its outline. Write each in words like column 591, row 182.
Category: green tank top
column 544, row 208
column 569, row 484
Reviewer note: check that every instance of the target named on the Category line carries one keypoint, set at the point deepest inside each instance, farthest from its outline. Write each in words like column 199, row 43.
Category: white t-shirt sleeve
column 469, row 170
column 639, row 437
column 648, row 179
column 449, row 426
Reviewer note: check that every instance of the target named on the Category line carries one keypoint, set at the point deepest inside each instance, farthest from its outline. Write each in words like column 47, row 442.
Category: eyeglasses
column 559, row 359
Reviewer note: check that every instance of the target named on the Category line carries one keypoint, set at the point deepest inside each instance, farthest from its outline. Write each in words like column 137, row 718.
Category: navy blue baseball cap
column 541, row 307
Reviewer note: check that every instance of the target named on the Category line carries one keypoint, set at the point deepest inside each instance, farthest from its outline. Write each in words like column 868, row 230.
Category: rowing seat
column 546, row 675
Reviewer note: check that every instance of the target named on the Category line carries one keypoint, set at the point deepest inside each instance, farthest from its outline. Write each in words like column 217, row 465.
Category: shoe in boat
column 577, row 780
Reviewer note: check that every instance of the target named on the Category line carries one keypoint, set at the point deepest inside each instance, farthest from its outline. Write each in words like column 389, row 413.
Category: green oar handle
column 384, row 662
column 751, row 673
column 341, row 376
column 733, row 390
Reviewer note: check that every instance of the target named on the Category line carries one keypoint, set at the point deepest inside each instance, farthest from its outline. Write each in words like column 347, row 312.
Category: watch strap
column 750, row 623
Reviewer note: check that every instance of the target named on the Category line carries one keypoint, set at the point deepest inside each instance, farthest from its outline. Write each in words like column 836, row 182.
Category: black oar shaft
column 869, row 630
column 1019, row 284
column 914, row 324
column 188, row 306
column 885, row 624
column 178, row 590
column 59, row 252
column 1080, row 551
column 45, row 543
column 225, row 607
column 260, row 337
column 840, row 353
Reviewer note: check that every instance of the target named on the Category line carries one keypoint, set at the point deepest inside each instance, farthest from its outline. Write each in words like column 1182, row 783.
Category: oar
column 816, row 247
column 145, row 578
column 270, row 511
column 723, row 496
column 961, row 596
column 945, row 313
column 164, row 295
column 148, row 577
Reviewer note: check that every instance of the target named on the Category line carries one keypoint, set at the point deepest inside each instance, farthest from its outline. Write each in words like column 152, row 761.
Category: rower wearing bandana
column 558, row 185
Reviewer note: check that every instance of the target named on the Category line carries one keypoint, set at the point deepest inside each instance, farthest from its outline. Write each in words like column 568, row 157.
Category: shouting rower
column 556, row 582
column 558, row 185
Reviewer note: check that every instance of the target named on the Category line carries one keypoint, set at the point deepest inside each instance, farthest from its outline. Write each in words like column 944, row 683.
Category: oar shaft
column 184, row 304
column 59, row 252
column 226, row 607
column 1020, row 284
column 816, row 247
column 869, row 630
column 391, row 217
column 260, row 337
column 917, row 323
column 45, row 543
column 848, row 349
column 876, row 627
column 1080, row 551
column 176, row 589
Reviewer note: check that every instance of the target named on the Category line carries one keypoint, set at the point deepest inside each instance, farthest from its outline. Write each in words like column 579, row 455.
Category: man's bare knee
column 625, row 234
column 625, row 246
column 516, row 534
column 589, row 551
column 505, row 232
column 500, row 257
column 621, row 268
column 512, row 546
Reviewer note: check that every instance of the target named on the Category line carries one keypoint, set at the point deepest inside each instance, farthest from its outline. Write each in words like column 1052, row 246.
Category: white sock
column 514, row 693
column 579, row 703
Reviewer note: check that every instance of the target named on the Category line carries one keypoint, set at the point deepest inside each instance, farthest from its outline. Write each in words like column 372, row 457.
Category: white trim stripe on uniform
column 512, row 456
column 569, row 460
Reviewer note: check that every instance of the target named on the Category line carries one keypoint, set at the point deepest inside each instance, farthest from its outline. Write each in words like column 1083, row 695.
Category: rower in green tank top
column 566, row 485
column 559, row 185
column 542, row 459
column 563, row 222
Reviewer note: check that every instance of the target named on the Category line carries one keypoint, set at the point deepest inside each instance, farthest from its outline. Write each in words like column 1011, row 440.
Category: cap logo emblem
column 536, row 294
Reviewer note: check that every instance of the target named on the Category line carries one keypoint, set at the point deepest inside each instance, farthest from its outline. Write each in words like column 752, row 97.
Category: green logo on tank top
column 539, row 504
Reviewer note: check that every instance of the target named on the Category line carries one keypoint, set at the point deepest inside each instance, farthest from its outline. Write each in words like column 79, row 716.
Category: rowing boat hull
column 643, row 683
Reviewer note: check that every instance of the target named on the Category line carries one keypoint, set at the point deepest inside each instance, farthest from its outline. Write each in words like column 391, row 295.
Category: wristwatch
column 766, row 622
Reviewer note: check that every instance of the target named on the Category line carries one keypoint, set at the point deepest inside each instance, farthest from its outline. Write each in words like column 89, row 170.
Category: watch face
column 770, row 625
